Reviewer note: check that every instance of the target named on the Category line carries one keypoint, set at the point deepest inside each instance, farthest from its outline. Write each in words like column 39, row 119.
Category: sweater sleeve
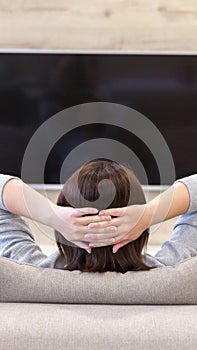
column 3, row 180
column 191, row 183
column 183, row 241
column 16, row 240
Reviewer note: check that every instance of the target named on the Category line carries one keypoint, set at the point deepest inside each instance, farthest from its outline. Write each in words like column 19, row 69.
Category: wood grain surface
column 99, row 24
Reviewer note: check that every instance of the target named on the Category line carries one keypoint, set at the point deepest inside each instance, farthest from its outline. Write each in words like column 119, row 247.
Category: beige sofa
column 55, row 309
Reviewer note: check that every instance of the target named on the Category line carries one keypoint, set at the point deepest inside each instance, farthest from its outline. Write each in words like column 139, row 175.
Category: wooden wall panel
column 99, row 24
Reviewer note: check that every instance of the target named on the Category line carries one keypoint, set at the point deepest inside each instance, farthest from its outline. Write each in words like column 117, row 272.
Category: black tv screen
column 36, row 85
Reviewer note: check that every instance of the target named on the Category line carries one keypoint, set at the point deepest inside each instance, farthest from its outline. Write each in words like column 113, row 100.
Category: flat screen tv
column 35, row 85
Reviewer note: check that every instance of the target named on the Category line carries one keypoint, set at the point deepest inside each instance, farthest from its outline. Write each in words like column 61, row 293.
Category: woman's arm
column 20, row 199
column 131, row 221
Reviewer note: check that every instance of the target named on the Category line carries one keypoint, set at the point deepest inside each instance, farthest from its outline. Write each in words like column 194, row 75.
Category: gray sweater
column 17, row 241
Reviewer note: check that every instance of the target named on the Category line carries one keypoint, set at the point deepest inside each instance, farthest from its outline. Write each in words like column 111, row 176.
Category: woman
column 17, row 242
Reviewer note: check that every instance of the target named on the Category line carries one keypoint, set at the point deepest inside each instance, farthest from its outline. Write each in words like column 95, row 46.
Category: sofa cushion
column 25, row 326
column 163, row 285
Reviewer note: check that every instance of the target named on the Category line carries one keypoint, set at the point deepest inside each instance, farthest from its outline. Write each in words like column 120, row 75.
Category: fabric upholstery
column 97, row 327
column 165, row 285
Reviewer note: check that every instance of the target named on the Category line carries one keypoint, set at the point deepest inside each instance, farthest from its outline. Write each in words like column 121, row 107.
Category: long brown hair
column 128, row 191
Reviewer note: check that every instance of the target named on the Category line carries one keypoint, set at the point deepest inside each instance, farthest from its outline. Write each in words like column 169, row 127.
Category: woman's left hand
column 73, row 223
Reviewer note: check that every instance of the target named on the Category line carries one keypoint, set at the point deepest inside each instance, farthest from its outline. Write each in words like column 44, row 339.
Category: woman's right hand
column 130, row 223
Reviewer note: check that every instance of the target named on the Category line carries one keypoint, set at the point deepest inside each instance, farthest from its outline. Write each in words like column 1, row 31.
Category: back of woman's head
column 83, row 184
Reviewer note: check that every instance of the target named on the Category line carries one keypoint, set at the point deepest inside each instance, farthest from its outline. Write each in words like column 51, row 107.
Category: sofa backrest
column 163, row 285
